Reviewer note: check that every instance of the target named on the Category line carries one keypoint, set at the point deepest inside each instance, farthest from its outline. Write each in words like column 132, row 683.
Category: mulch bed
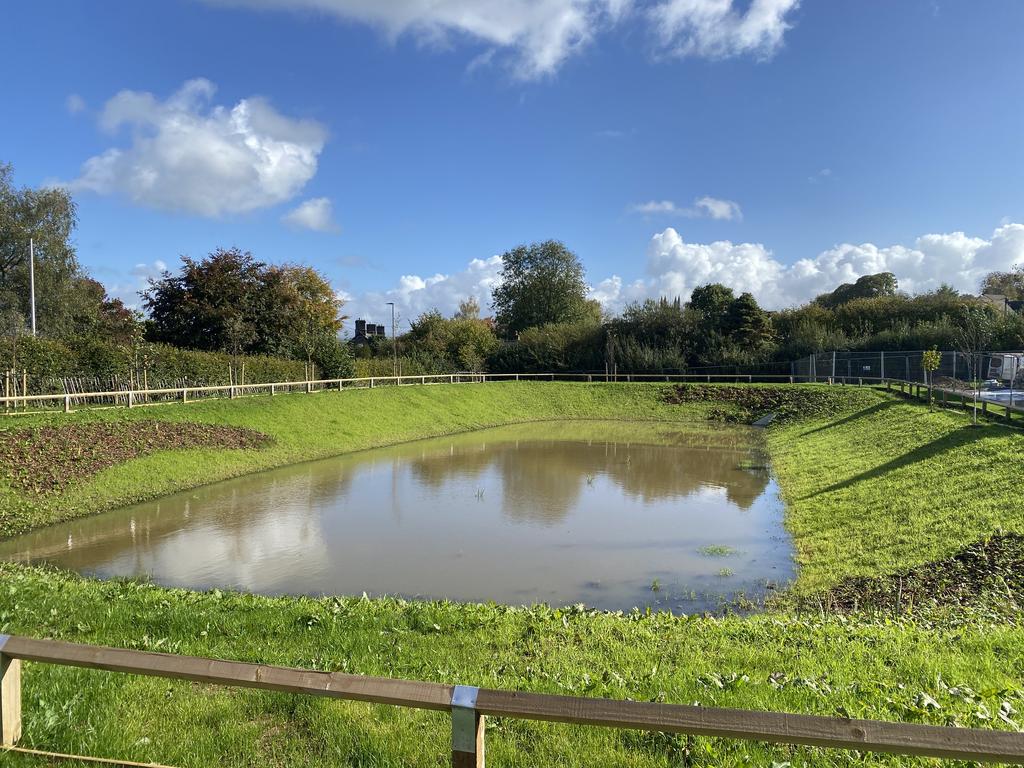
column 746, row 402
column 987, row 571
column 44, row 460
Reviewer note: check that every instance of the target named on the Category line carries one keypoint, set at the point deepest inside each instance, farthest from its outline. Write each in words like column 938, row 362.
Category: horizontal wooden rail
column 469, row 706
column 132, row 398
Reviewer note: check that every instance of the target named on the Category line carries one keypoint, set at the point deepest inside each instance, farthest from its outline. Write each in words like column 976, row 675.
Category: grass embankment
column 881, row 487
column 894, row 485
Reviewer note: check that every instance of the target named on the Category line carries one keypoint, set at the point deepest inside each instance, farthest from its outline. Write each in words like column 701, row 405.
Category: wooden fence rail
column 134, row 398
column 469, row 706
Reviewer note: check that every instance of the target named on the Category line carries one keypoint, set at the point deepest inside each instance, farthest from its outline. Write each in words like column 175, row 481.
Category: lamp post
column 394, row 337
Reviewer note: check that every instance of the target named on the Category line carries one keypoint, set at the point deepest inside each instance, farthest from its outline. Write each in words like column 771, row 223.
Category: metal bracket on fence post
column 467, row 729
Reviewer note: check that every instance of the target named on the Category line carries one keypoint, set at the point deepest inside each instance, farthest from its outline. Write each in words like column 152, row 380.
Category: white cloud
column 709, row 207
column 316, row 214
column 186, row 155
column 718, row 29
column 74, row 104
column 675, row 267
column 541, row 34
column 414, row 294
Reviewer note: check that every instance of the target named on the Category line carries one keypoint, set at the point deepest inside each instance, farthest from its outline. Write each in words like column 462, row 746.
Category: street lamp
column 394, row 336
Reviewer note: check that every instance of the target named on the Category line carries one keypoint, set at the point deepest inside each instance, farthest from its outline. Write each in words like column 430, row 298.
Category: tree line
column 540, row 317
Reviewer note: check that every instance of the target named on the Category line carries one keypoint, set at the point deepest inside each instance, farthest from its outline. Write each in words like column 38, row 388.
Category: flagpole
column 32, row 281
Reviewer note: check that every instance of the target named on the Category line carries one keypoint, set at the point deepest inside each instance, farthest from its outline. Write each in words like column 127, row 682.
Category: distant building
column 365, row 331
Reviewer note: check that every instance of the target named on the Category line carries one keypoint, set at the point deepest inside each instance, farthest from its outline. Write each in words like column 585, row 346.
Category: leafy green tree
column 68, row 302
column 209, row 305
column 866, row 287
column 540, row 283
column 1009, row 284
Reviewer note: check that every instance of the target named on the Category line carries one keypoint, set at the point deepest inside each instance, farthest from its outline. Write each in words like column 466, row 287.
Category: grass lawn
column 881, row 486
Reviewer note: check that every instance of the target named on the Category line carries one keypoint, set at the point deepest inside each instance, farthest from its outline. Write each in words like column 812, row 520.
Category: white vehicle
column 1005, row 368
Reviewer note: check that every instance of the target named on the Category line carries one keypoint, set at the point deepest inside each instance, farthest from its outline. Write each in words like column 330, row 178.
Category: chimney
column 360, row 327
column 371, row 329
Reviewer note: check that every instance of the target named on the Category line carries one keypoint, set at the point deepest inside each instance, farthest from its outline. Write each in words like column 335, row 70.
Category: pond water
column 611, row 514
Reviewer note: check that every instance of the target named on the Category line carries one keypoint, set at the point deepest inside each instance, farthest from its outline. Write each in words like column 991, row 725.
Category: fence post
column 467, row 729
column 131, row 399
column 67, row 403
column 309, row 386
column 10, row 697
column 371, row 382
column 184, row 394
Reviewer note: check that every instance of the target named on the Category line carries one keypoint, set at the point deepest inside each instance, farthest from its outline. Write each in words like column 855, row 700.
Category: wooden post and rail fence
column 22, row 402
column 469, row 706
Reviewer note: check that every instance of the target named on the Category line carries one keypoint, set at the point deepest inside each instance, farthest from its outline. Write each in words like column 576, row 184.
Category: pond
column 615, row 515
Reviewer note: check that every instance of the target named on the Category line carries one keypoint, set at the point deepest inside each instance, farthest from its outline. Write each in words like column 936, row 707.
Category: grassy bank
column 897, row 670
column 894, row 485
column 873, row 488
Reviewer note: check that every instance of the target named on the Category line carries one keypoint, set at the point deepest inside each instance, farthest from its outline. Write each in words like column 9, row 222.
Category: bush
column 164, row 365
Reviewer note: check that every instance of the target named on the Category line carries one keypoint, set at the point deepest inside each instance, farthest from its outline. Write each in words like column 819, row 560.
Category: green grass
column 894, row 485
column 873, row 490
column 833, row 666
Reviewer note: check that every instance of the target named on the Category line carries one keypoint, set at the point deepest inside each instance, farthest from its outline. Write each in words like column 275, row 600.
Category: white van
column 1005, row 368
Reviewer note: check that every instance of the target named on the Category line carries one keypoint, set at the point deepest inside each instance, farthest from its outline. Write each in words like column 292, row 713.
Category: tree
column 317, row 310
column 469, row 309
column 930, row 362
column 748, row 325
column 1009, row 284
column 68, row 302
column 209, row 305
column 451, row 344
column 866, row 287
column 974, row 336
column 540, row 283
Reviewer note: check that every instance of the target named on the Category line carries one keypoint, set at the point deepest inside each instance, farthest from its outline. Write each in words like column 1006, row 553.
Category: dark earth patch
column 749, row 402
column 986, row 575
column 46, row 459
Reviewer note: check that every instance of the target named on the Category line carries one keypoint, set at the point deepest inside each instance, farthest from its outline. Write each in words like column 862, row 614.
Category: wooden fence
column 132, row 398
column 469, row 706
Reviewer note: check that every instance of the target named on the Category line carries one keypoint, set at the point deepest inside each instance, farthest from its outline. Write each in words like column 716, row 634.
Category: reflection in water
column 562, row 512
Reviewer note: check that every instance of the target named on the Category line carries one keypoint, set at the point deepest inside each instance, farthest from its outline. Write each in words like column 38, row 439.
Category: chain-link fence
column 989, row 370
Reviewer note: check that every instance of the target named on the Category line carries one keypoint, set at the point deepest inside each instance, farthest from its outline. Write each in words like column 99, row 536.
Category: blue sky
column 775, row 145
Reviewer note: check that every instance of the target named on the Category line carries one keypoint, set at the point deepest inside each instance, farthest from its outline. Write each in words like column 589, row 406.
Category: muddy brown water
column 614, row 515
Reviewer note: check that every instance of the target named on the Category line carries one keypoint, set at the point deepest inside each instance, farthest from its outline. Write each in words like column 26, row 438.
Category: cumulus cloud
column 316, row 214
column 185, row 154
column 414, row 294
column 720, row 28
column 74, row 104
column 676, row 267
column 703, row 207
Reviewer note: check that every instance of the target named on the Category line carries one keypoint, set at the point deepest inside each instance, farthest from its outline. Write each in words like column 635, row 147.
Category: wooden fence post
column 131, row 399
column 10, row 698
column 67, row 403
column 467, row 729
